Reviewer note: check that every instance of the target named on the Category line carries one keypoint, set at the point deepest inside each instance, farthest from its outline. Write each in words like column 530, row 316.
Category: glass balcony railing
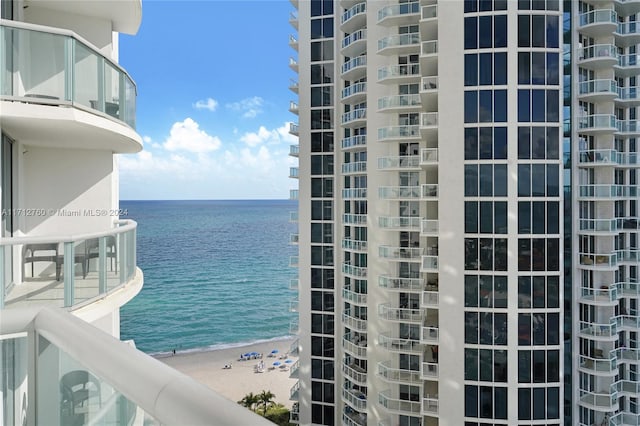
column 399, row 192
column 395, row 343
column 407, row 131
column 429, row 370
column 354, row 37
column 428, row 155
column 398, row 10
column 393, row 313
column 398, row 253
column 355, row 345
column 598, row 156
column 597, row 121
column 355, row 373
column 57, row 67
column 629, row 93
column 402, row 222
column 628, row 28
column 355, row 323
column 598, row 51
column 598, row 330
column 358, row 61
column 400, row 283
column 355, row 115
column 357, row 167
column 120, row 385
column 398, row 375
column 398, row 405
column 352, row 193
column 429, row 226
column 356, row 271
column 67, row 271
column 358, row 9
column 430, row 299
column 599, row 16
column 355, row 245
column 605, row 401
column 353, row 297
column 354, row 219
column 597, row 87
column 394, row 71
column 429, row 12
column 294, row 150
column 400, row 162
column 429, row 47
column 354, row 141
column 354, row 89
column 627, row 126
column 397, row 101
column 630, row 60
column 399, row 40
column 598, row 365
column 607, row 191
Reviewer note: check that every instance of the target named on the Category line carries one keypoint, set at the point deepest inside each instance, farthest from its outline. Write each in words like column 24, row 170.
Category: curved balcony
column 293, row 64
column 624, row 418
column 597, row 157
column 399, row 14
column 626, row 355
column 354, row 193
column 293, row 42
column 629, row 96
column 294, row 150
column 390, row 313
column 355, row 117
column 603, row 296
column 598, row 56
column 354, row 271
column 354, row 168
column 399, row 192
column 401, row 283
column 628, row 65
column 402, row 162
column 603, row 332
column 627, row 128
column 354, row 219
column 354, row 346
column 355, row 298
column 354, row 245
column 393, row 74
column 407, row 132
column 400, row 344
column 627, row 34
column 401, row 223
column 356, row 374
column 355, row 398
column 354, row 93
column 353, row 418
column 396, row 375
column 355, row 44
column 597, row 23
column 602, row 261
column 354, row 323
column 400, row 253
column 353, row 142
column 598, row 90
column 399, row 44
column 293, row 129
column 627, row 7
column 355, row 68
column 70, row 271
column 51, row 67
column 354, row 18
column 597, row 124
column 399, row 103
column 400, row 406
column 600, row 401
column 607, row 192
column 598, row 366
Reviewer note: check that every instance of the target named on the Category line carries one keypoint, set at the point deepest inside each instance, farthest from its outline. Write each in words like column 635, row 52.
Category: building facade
column 467, row 212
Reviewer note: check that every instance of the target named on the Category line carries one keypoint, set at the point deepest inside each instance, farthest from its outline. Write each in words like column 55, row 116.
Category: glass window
column 471, row 107
column 500, row 180
column 471, row 217
column 471, row 33
column 500, row 102
column 524, row 217
column 524, row 31
column 486, row 69
column 524, row 114
column 524, row 68
column 470, row 143
column 486, row 32
column 538, row 106
column 500, row 212
column 500, row 143
column 537, row 30
column 471, row 69
column 538, row 216
column 486, row 143
column 500, row 68
column 500, row 31
column 486, row 106
column 470, row 180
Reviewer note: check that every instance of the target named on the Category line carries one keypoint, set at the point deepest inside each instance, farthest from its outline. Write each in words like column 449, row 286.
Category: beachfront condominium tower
column 468, row 233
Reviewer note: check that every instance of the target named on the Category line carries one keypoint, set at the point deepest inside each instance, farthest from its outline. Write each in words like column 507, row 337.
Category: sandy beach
column 234, row 383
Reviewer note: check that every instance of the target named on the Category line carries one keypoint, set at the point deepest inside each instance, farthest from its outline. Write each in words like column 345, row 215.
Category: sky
column 212, row 108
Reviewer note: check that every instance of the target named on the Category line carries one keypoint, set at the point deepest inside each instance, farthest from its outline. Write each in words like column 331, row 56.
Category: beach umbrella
column 288, row 361
column 275, row 351
column 254, row 353
column 277, row 363
column 247, row 355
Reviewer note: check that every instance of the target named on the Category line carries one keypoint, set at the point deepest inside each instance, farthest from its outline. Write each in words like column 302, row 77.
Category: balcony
column 399, row 44
column 70, row 271
column 293, row 64
column 355, row 373
column 355, row 44
column 293, row 42
column 400, row 344
column 293, row 20
column 391, row 313
column 429, row 57
column 128, row 386
column 294, row 150
column 294, row 239
column 607, row 192
column 429, row 227
column 294, row 284
column 401, row 283
column 293, row 194
column 404, row 132
column 355, row 68
column 430, row 335
column 294, row 371
column 400, row 253
column 604, row 332
column 354, row 219
column 628, row 96
column 354, row 297
column 430, row 299
column 294, row 86
column 354, row 93
column 355, row 398
column 627, row 34
column 399, row 192
column 403, row 162
column 294, row 305
column 429, row 370
column 627, row 128
column 354, row 271
column 393, row 74
column 597, row 23
column 294, row 391
column 400, row 406
column 430, row 405
column 294, row 414
column 429, row 125
column 598, row 366
column 293, row 261
column 604, row 296
column 353, row 418
column 354, row 323
column 399, row 14
column 354, row 345
column 599, row 401
column 353, row 142
column 354, row 18
column 396, row 375
column 429, row 191
column 62, row 91
column 354, row 245
column 429, row 264
column 601, row 261
column 353, row 168
column 624, row 419
column 293, row 129
column 597, row 157
column 598, row 90
column 294, row 173
column 354, row 193
column 401, row 223
column 355, row 117
column 598, row 56
column 627, row 322
column 627, row 7
column 294, row 327
column 627, row 65
column 597, row 124
column 399, row 103
column 428, row 156
column 293, row 108
column 429, row 92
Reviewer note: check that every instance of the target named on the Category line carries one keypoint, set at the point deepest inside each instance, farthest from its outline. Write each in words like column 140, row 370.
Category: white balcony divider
column 133, row 379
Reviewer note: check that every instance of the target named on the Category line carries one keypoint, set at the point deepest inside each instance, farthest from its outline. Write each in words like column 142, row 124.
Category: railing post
column 69, row 273
column 69, row 54
column 3, row 284
column 123, row 256
column 102, row 265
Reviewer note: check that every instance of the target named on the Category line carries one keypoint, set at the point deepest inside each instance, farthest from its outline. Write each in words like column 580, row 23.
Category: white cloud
column 251, row 106
column 187, row 136
column 210, row 104
column 271, row 137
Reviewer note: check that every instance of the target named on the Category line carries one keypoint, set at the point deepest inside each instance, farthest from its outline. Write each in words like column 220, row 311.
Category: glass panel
column 111, row 90
column 86, row 77
column 14, row 381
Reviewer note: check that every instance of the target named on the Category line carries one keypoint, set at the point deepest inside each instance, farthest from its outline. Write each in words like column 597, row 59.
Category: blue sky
column 213, row 99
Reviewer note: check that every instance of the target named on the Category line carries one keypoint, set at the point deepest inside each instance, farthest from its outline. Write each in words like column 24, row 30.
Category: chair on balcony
column 43, row 252
column 92, row 251
column 79, row 390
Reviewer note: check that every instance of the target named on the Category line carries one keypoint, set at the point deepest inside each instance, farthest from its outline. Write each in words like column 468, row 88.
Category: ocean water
column 216, row 274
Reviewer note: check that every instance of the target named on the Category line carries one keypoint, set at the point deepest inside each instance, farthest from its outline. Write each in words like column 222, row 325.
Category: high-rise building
column 468, row 232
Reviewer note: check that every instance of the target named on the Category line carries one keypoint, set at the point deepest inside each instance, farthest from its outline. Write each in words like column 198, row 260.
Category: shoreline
column 207, row 366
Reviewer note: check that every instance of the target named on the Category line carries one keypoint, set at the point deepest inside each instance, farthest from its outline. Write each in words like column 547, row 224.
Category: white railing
column 130, row 385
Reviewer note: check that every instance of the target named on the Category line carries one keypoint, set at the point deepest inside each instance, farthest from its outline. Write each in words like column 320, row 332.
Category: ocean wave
column 221, row 346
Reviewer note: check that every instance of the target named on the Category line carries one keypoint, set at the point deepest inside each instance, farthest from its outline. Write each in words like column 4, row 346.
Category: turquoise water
column 216, row 274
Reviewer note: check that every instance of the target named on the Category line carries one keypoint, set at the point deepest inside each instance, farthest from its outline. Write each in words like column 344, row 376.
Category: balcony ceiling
column 125, row 15
column 66, row 127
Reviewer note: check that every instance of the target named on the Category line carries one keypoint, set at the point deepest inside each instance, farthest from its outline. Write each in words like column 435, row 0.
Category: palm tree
column 266, row 399
column 250, row 401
